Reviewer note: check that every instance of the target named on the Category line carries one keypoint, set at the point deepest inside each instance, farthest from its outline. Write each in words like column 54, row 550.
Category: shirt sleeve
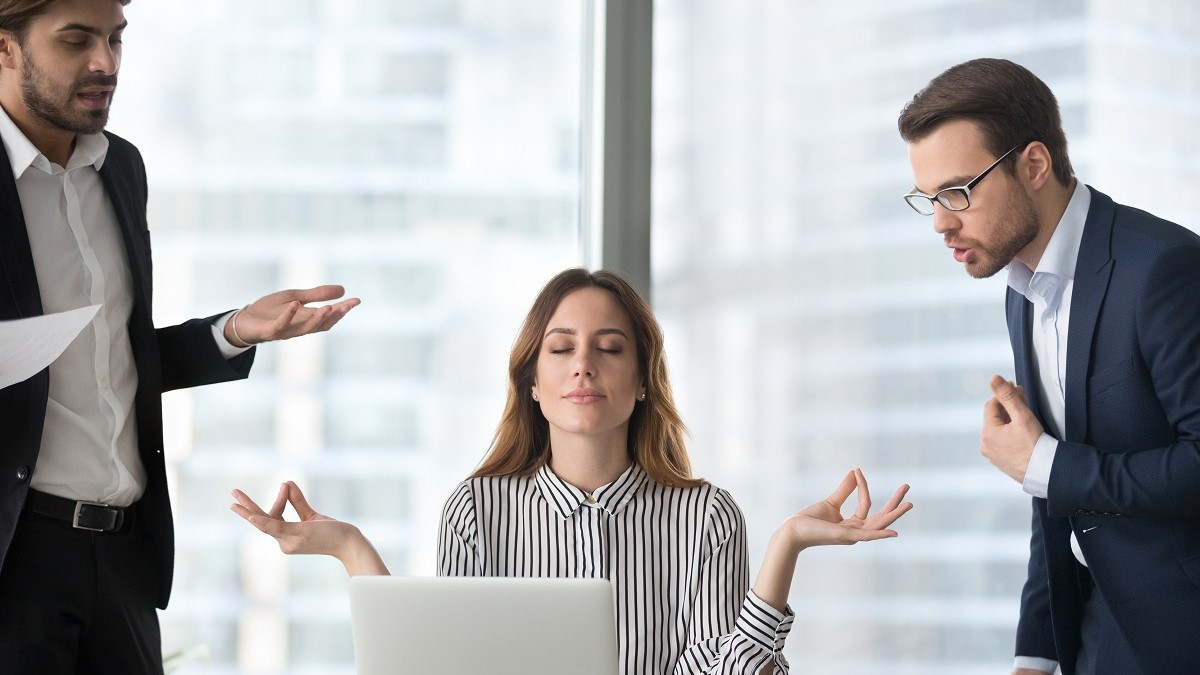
column 458, row 555
column 1035, row 663
column 227, row 349
column 730, row 629
column 1037, row 476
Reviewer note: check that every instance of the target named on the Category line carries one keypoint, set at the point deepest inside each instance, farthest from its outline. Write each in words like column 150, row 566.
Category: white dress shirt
column 676, row 557
column 1049, row 288
column 89, row 439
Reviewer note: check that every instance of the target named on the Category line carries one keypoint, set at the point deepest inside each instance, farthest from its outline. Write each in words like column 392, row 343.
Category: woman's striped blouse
column 676, row 557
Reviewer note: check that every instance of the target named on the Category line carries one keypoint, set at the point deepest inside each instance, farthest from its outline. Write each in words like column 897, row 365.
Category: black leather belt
column 82, row 515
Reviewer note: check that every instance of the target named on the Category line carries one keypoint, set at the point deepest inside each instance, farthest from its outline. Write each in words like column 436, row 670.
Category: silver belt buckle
column 75, row 519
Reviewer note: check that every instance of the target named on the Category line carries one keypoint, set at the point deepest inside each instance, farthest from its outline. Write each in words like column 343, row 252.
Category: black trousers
column 78, row 602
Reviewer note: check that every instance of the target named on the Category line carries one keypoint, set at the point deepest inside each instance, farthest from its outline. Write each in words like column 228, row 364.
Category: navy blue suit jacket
column 166, row 358
column 1126, row 477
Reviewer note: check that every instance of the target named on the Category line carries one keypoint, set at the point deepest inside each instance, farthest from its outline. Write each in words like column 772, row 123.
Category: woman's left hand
column 823, row 524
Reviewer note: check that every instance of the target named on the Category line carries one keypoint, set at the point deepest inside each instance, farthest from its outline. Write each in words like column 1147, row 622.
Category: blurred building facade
column 816, row 324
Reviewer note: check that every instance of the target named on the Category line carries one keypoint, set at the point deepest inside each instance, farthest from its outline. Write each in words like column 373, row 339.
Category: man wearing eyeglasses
column 1103, row 424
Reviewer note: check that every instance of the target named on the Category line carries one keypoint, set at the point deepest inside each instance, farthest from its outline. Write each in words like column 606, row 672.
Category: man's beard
column 51, row 104
column 1017, row 228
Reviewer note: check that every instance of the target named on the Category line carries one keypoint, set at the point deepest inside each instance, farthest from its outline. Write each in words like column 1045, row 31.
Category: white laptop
column 494, row 625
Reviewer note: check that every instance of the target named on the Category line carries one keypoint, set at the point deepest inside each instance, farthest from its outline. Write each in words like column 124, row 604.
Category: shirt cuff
column 764, row 624
column 1035, row 663
column 227, row 349
column 1037, row 476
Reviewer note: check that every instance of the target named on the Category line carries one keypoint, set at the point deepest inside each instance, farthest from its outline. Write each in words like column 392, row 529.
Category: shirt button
column 22, row 473
column 591, row 499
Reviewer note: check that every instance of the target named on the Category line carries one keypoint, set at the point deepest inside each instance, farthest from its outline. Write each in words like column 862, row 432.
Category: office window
column 423, row 154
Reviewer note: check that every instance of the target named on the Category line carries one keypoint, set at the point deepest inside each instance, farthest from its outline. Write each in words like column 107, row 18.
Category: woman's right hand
column 313, row 533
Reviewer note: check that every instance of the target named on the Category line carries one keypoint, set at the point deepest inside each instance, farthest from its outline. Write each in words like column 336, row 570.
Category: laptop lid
column 497, row 625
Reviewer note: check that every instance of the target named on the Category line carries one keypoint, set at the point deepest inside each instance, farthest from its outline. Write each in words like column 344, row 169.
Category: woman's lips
column 584, row 396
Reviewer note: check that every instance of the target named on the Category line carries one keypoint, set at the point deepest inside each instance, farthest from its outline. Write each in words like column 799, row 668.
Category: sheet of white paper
column 29, row 345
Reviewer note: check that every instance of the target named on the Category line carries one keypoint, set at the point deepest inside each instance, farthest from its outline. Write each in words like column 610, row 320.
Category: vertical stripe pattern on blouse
column 676, row 556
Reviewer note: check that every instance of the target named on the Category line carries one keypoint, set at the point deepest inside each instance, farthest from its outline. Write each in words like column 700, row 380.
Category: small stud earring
column 642, row 397
column 534, row 395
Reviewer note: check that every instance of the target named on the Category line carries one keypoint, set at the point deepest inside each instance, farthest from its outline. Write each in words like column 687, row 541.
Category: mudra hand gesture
column 822, row 523
column 312, row 533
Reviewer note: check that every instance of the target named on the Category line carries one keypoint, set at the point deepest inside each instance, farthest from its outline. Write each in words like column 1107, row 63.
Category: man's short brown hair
column 15, row 15
column 1009, row 103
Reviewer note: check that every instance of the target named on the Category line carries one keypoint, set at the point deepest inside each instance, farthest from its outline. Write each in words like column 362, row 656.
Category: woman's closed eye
column 560, row 347
column 605, row 349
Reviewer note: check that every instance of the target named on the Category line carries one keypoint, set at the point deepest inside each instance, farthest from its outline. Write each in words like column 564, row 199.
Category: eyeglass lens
column 954, row 199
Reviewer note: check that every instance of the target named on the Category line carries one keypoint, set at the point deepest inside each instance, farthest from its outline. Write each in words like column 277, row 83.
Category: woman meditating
column 588, row 476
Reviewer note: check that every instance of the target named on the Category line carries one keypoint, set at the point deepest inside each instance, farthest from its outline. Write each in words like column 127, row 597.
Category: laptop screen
column 497, row 625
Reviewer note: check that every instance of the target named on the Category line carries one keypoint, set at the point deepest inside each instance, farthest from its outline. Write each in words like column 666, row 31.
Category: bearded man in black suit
column 86, row 541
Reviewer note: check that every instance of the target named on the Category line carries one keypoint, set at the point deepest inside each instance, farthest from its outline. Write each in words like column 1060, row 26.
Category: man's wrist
column 1037, row 475
column 219, row 331
column 231, row 332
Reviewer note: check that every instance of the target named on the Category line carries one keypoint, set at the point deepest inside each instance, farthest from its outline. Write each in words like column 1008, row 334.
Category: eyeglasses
column 953, row 198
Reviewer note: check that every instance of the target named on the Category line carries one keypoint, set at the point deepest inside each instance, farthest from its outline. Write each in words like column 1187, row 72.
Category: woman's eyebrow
column 602, row 331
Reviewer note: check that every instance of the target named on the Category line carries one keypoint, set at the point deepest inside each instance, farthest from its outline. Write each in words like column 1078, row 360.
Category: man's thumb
column 1006, row 393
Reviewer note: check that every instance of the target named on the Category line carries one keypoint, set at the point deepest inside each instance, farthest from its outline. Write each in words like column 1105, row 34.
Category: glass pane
column 816, row 324
column 425, row 155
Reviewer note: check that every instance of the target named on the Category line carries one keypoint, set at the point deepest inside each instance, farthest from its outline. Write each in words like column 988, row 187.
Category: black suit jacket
column 1126, row 477
column 166, row 358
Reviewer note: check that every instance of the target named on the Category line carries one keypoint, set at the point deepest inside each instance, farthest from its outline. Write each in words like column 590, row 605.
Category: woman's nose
column 583, row 363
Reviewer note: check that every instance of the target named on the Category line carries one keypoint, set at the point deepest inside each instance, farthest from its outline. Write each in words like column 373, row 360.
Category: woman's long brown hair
column 656, row 432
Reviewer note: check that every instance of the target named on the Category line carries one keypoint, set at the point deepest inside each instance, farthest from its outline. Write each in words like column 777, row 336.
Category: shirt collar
column 22, row 153
column 566, row 498
column 1062, row 251
column 90, row 149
